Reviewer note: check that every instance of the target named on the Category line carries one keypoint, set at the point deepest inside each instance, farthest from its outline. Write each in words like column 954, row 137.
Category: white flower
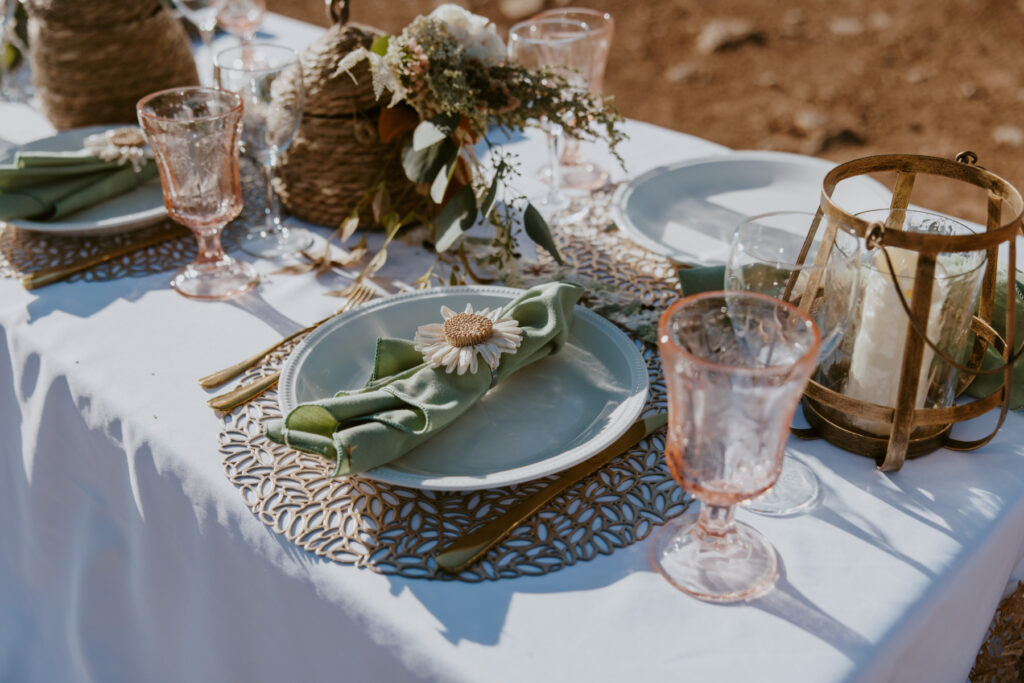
column 455, row 343
column 383, row 70
column 477, row 34
column 124, row 145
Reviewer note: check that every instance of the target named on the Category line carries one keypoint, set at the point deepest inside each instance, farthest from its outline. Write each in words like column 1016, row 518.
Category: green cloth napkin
column 406, row 401
column 50, row 185
column 983, row 385
column 709, row 278
column 701, row 279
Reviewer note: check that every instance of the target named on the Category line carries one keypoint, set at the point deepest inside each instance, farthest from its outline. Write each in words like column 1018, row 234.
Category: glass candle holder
column 867, row 364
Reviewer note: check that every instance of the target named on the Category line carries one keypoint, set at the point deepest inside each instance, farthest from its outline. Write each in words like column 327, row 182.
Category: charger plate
column 138, row 208
column 688, row 211
column 546, row 417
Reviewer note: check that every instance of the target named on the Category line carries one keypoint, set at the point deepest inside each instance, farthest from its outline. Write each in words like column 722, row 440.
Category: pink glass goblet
column 194, row 133
column 735, row 366
column 577, row 173
column 241, row 18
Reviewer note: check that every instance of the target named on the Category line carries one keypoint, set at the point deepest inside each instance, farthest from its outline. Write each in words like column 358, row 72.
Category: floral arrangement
column 450, row 83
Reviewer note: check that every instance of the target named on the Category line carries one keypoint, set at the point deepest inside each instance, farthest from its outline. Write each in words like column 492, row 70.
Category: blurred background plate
column 132, row 210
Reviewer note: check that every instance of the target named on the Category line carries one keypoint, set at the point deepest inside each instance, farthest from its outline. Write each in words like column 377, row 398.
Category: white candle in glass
column 881, row 336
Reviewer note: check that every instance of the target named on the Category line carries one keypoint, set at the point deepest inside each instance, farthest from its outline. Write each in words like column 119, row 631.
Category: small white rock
column 846, row 26
column 1012, row 136
column 722, row 34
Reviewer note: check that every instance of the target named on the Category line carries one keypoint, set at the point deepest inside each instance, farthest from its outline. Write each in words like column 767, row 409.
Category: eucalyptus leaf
column 422, row 166
column 492, row 193
column 444, row 176
column 380, row 45
column 457, row 216
column 537, row 229
column 429, row 133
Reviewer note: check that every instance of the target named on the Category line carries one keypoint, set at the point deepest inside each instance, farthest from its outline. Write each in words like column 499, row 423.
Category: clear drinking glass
column 764, row 259
column 735, row 366
column 194, row 133
column 268, row 78
column 563, row 45
column 203, row 15
column 241, row 18
column 576, row 172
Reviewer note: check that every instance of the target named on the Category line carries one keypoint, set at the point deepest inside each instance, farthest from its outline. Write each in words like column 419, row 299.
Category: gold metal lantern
column 890, row 390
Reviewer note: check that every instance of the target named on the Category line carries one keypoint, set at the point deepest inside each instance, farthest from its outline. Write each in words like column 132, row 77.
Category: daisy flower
column 455, row 343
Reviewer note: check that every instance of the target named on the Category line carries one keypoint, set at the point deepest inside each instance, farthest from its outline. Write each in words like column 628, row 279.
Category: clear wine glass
column 562, row 45
column 268, row 78
column 764, row 258
column 194, row 133
column 577, row 173
column 241, row 18
column 735, row 366
column 203, row 15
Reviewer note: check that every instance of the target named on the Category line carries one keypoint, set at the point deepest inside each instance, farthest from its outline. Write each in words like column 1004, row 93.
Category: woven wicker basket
column 92, row 61
column 336, row 155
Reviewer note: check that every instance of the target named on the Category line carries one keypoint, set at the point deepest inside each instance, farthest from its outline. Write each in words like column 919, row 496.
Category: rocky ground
column 838, row 79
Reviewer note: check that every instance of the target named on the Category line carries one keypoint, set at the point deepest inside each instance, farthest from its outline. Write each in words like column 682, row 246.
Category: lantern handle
column 873, row 238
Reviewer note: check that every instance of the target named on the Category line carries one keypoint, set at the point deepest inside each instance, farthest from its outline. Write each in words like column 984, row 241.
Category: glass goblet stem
column 555, row 137
column 716, row 522
column 206, row 37
column 571, row 153
column 273, row 209
column 209, row 246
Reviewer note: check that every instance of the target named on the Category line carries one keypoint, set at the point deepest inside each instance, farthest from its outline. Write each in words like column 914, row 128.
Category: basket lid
column 328, row 92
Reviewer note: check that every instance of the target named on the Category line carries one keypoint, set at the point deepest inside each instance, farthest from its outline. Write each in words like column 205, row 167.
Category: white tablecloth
column 126, row 554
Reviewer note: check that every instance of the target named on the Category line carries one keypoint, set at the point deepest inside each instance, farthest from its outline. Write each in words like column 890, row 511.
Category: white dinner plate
column 546, row 417
column 688, row 211
column 129, row 211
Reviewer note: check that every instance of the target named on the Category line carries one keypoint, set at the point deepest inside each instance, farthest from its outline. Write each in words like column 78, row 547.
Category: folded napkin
column 50, row 185
column 708, row 278
column 406, row 400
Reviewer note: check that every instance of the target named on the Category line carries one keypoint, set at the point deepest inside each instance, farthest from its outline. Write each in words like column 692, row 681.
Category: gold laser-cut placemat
column 395, row 530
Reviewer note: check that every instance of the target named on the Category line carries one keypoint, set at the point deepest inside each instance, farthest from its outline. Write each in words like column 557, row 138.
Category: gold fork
column 359, row 295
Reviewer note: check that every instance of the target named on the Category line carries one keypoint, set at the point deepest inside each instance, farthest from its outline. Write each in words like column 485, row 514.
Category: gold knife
column 47, row 276
column 468, row 549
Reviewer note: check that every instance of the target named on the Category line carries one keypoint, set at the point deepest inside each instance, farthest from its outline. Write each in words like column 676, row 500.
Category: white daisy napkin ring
column 456, row 343
column 125, row 145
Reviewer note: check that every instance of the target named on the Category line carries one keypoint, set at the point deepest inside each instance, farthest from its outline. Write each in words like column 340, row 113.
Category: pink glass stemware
column 194, row 133
column 241, row 18
column 577, row 173
column 735, row 366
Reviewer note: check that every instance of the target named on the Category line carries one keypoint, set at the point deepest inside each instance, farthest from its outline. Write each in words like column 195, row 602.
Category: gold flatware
column 246, row 392
column 359, row 294
column 41, row 278
column 458, row 555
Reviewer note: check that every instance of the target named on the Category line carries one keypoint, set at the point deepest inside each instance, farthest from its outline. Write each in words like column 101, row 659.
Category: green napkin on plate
column 708, row 278
column 45, row 186
column 407, row 401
